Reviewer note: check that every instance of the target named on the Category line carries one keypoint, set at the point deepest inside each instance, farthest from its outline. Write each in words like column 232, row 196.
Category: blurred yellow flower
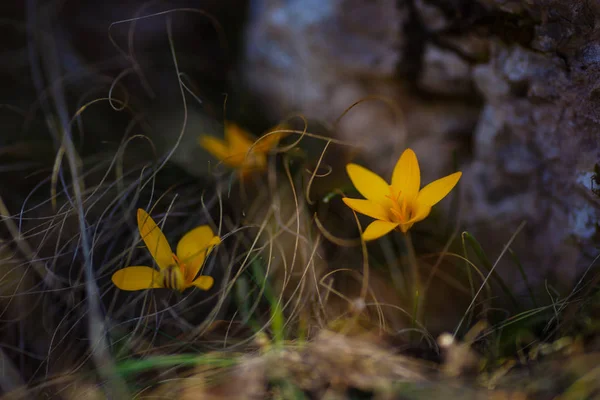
column 401, row 204
column 239, row 150
column 178, row 270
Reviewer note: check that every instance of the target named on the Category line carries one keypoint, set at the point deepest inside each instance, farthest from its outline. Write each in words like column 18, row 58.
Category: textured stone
column 526, row 70
column 432, row 17
column 511, row 6
column 531, row 145
column 490, row 83
column 445, row 72
column 298, row 52
column 321, row 63
column 471, row 45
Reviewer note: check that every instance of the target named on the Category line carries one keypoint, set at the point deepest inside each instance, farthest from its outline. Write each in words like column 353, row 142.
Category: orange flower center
column 401, row 211
column 173, row 277
column 181, row 264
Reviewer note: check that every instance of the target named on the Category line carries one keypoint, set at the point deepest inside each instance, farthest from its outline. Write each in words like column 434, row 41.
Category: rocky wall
column 511, row 86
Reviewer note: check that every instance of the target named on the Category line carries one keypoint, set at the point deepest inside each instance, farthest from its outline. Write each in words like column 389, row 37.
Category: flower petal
column 367, row 207
column 137, row 278
column 238, row 139
column 203, row 282
column 422, row 211
column 217, row 148
column 269, row 139
column 406, row 178
column 437, row 190
column 155, row 240
column 193, row 248
column 377, row 229
column 368, row 183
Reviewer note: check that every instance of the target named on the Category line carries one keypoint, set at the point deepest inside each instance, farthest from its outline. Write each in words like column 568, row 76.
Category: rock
column 529, row 152
column 548, row 37
column 471, row 45
column 510, row 6
column 328, row 34
column 320, row 60
column 432, row 17
column 298, row 52
column 445, row 72
column 512, row 83
column 490, row 83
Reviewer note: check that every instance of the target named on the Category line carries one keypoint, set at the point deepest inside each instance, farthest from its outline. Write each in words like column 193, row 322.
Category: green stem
column 415, row 290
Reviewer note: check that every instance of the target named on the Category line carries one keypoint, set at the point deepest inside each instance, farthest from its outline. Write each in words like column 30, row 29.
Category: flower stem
column 415, row 279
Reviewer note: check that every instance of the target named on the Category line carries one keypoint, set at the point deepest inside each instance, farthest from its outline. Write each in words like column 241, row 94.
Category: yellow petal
column 137, row 278
column 216, row 147
column 377, row 229
column 155, row 240
column 193, row 248
column 238, row 140
column 420, row 213
column 368, row 183
column 270, row 139
column 437, row 190
column 266, row 143
column 203, row 282
column 406, row 178
column 367, row 207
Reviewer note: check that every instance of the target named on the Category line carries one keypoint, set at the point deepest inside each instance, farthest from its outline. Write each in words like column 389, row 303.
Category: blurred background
column 506, row 91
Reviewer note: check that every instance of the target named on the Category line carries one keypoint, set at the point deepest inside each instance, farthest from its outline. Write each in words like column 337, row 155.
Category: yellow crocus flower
column 401, row 204
column 178, row 270
column 239, row 150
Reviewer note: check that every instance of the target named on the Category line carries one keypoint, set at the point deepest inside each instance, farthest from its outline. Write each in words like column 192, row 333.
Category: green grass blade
column 478, row 250
column 277, row 319
column 129, row 367
column 517, row 261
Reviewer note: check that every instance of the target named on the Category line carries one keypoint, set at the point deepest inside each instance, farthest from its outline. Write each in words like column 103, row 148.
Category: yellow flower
column 176, row 270
column 238, row 149
column 401, row 204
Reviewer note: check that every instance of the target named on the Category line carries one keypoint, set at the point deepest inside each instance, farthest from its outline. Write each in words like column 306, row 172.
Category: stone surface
column 445, row 72
column 513, row 83
column 320, row 60
column 536, row 140
column 511, row 6
column 432, row 17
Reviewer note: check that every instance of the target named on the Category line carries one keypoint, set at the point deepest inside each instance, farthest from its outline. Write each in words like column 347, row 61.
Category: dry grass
column 301, row 307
